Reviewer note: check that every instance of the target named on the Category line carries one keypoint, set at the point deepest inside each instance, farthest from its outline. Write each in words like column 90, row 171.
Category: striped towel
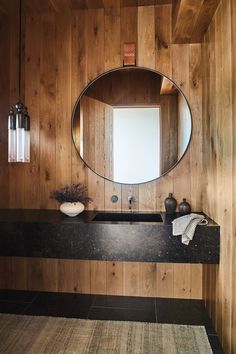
column 186, row 225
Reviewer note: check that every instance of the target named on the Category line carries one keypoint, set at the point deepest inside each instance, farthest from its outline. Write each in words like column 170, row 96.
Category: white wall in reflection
column 136, row 144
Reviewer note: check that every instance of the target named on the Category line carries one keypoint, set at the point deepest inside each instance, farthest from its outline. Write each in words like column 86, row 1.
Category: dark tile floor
column 101, row 307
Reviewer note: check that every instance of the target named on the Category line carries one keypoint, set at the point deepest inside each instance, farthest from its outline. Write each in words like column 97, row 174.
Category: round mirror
column 131, row 125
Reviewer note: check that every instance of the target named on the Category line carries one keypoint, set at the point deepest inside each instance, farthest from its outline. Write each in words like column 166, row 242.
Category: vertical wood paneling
column 65, row 269
column 63, row 100
column 41, row 274
column 233, row 48
column 91, row 43
column 19, row 273
column 165, row 280
column 95, row 65
column 181, row 174
column 113, row 58
column 195, row 101
column 82, row 276
column 78, row 82
column 146, row 37
column 4, row 103
column 112, row 49
column 47, row 110
column 63, row 53
column 131, row 279
column 32, row 99
column 94, row 41
column 182, row 280
column 102, row 277
column 227, row 177
column 16, row 171
column 163, row 29
column 163, row 187
column 115, row 278
column 148, row 279
column 196, row 273
column 98, row 277
column 219, row 157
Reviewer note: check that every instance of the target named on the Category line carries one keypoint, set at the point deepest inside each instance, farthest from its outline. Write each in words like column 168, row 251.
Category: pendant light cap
column 19, row 115
column 26, row 120
column 20, row 106
column 11, row 119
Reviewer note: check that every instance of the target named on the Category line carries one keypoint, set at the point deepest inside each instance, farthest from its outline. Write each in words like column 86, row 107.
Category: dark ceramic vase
column 184, row 207
column 170, row 204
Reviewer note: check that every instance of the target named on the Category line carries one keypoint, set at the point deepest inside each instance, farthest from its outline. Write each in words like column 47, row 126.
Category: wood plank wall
column 95, row 277
column 9, row 73
column 219, row 113
column 62, row 54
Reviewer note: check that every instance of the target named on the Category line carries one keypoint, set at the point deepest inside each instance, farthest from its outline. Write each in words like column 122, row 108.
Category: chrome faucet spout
column 130, row 201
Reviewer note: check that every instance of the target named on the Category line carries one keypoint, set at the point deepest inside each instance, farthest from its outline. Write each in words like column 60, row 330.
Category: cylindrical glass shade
column 20, row 133
column 20, row 144
column 27, row 135
column 27, row 146
column 11, row 136
column 11, row 145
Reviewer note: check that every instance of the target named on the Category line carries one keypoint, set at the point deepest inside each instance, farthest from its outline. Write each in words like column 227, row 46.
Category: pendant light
column 18, row 118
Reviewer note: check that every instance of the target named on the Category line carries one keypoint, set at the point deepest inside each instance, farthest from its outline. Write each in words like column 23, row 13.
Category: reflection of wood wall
column 168, row 132
column 127, row 87
column 64, row 53
column 111, row 278
column 97, row 135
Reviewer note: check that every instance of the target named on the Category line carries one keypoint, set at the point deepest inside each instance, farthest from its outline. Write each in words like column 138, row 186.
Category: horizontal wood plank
column 101, row 277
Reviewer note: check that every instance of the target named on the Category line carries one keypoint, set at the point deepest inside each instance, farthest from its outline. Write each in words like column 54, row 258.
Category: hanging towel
column 186, row 225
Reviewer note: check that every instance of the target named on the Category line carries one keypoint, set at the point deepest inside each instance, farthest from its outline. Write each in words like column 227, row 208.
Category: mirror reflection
column 131, row 125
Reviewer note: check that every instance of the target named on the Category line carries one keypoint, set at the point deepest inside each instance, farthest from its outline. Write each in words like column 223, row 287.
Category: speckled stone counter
column 50, row 234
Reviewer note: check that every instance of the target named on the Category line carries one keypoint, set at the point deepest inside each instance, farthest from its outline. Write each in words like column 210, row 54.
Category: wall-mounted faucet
column 130, row 201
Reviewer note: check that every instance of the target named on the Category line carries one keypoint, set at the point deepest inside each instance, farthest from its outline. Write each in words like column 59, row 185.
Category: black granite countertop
column 51, row 234
column 55, row 216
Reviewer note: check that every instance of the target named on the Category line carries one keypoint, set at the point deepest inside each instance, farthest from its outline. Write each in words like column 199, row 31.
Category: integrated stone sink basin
column 128, row 217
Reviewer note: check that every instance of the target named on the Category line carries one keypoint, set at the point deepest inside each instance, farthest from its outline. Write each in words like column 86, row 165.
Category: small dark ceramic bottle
column 170, row 204
column 184, row 207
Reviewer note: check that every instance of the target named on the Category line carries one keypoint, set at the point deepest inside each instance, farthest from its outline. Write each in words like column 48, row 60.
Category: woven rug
column 36, row 334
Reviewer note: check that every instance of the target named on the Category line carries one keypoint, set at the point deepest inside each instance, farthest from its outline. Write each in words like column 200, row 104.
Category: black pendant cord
column 20, row 56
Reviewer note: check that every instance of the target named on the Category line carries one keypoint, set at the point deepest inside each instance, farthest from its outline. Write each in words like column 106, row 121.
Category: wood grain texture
column 65, row 5
column 191, row 19
column 168, row 131
column 163, row 35
column 219, row 157
column 62, row 54
column 4, row 103
column 100, row 277
column 32, row 100
column 16, row 171
column 233, row 48
column 53, row 86
column 185, row 14
column 205, row 16
column 47, row 115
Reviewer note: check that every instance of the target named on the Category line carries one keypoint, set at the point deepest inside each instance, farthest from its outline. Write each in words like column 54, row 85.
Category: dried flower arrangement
column 71, row 194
